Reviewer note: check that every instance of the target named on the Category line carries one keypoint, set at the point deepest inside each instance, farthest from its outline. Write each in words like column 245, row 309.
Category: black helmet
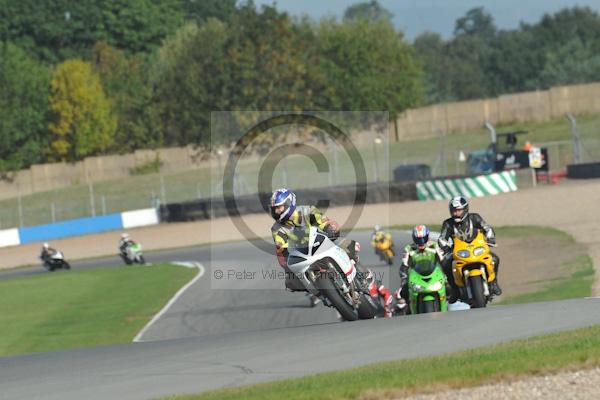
column 459, row 203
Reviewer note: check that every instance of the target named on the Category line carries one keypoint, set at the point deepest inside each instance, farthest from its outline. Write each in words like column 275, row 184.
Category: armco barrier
column 78, row 227
column 476, row 186
column 384, row 192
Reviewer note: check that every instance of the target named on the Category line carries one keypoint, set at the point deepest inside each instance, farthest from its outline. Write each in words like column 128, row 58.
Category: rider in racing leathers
column 462, row 223
column 420, row 246
column 124, row 242
column 47, row 252
column 380, row 293
column 287, row 216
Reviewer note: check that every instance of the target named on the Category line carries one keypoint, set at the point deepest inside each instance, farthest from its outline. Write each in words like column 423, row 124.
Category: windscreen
column 425, row 266
column 298, row 239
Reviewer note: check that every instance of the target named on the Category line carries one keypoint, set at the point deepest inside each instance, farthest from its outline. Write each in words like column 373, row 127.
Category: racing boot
column 452, row 292
column 314, row 300
column 495, row 288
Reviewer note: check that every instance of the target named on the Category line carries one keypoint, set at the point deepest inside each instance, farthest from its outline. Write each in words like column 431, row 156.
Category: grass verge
column 543, row 354
column 72, row 309
column 578, row 285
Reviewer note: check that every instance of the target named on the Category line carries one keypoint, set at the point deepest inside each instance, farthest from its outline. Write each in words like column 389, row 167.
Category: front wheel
column 476, row 283
column 326, row 286
column 429, row 306
column 366, row 308
column 142, row 260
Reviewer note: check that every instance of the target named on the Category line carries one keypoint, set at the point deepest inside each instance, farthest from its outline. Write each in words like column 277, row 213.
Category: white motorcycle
column 133, row 254
column 326, row 271
column 56, row 260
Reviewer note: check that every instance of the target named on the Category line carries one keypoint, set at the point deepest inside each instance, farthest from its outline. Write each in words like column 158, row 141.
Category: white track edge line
column 200, row 267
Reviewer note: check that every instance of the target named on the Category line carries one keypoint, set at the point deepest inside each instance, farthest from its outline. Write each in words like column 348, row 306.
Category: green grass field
column 544, row 354
column 83, row 308
column 138, row 191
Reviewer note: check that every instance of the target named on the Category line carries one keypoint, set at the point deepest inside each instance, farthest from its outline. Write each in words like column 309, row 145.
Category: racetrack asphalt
column 212, row 338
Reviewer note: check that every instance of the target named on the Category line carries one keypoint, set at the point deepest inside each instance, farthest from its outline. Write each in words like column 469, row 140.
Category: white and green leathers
column 411, row 251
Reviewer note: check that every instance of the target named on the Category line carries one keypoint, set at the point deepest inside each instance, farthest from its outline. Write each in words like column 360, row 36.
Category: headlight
column 435, row 287
column 417, row 288
column 478, row 251
column 464, row 254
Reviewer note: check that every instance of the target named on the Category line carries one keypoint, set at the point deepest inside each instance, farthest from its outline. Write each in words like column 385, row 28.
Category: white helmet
column 124, row 236
column 46, row 245
column 377, row 228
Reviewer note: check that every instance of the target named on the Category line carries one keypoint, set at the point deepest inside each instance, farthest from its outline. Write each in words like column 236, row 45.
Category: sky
column 414, row 17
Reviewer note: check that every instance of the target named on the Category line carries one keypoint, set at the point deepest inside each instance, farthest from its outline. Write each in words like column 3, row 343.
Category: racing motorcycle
column 326, row 271
column 427, row 285
column 55, row 261
column 133, row 254
column 384, row 248
column 473, row 269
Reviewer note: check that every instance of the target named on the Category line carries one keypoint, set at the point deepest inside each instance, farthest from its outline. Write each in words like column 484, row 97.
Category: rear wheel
column 326, row 286
column 476, row 283
column 66, row 265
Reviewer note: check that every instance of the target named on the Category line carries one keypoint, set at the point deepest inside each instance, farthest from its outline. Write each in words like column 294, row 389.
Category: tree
column 62, row 29
column 139, row 25
column 431, row 52
column 24, row 88
column 369, row 11
column 125, row 79
column 476, row 22
column 83, row 124
column 192, row 78
column 575, row 62
column 200, row 11
column 259, row 60
column 369, row 66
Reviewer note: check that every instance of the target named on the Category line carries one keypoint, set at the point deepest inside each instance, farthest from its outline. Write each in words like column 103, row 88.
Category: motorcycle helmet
column 376, row 228
column 420, row 236
column 125, row 236
column 46, row 246
column 286, row 198
column 459, row 203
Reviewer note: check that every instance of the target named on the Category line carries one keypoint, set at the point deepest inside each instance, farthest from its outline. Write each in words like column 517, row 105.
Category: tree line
column 87, row 77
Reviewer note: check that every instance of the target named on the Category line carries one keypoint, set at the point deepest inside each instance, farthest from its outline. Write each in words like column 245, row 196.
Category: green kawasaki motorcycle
column 426, row 285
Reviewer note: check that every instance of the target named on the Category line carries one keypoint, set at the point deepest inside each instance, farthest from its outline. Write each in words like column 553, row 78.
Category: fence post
column 92, row 203
column 103, row 205
column 19, row 206
column 163, row 194
column 575, row 138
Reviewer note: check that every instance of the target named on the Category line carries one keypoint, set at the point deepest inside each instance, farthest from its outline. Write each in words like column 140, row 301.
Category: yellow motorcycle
column 384, row 248
column 473, row 269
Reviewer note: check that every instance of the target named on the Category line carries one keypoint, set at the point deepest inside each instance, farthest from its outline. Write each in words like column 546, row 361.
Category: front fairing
column 427, row 281
column 307, row 246
column 471, row 256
